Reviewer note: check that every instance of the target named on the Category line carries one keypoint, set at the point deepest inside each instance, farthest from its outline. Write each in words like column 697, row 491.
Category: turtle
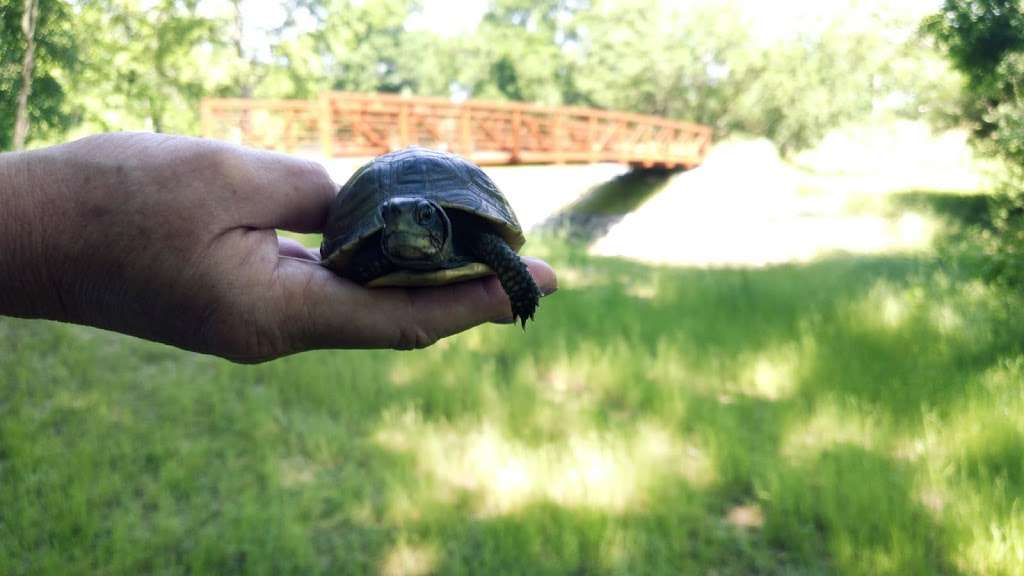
column 423, row 217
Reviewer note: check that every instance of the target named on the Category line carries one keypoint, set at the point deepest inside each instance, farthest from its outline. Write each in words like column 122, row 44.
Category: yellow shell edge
column 411, row 278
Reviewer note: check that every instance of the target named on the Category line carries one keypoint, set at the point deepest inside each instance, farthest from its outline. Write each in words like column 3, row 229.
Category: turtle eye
column 424, row 214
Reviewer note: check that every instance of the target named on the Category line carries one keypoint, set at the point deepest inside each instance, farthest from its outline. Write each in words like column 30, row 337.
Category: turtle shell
column 450, row 181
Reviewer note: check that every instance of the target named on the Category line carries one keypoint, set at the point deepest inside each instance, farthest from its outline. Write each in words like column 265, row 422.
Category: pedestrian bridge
column 345, row 124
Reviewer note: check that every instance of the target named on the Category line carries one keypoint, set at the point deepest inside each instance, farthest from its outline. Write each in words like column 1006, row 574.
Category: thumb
column 321, row 310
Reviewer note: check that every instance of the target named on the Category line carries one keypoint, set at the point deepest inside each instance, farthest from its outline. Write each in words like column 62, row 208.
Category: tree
column 984, row 40
column 33, row 82
column 355, row 46
column 247, row 55
column 645, row 57
column 703, row 63
column 142, row 67
column 29, row 17
column 799, row 88
column 979, row 36
column 523, row 51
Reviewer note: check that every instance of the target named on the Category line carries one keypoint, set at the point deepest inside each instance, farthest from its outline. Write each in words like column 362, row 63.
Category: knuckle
column 249, row 344
column 207, row 161
column 317, row 172
column 306, row 317
column 220, row 160
column 410, row 334
column 312, row 177
column 243, row 337
column 413, row 338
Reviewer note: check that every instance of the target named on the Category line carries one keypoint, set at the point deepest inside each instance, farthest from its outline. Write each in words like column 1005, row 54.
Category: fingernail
column 548, row 291
column 508, row 320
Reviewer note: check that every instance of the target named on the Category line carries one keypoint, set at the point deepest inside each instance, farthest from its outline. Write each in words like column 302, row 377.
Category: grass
column 854, row 416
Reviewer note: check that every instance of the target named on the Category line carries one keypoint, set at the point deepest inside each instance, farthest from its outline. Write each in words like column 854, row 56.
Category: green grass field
column 855, row 415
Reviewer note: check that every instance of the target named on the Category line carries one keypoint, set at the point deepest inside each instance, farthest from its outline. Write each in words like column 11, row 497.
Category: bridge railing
column 349, row 124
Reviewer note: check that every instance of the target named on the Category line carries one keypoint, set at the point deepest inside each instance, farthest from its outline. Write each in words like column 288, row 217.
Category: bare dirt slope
column 747, row 207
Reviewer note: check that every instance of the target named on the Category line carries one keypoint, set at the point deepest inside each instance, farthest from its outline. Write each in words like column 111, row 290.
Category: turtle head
column 416, row 232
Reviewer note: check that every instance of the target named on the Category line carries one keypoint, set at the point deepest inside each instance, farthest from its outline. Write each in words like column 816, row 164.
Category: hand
column 173, row 239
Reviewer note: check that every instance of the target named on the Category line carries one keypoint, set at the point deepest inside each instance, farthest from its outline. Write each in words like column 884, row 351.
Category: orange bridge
column 348, row 124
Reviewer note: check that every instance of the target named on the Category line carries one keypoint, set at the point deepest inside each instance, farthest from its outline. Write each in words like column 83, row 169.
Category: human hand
column 173, row 239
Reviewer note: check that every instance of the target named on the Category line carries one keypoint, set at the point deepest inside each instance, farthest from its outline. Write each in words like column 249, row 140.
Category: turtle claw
column 521, row 317
column 513, row 275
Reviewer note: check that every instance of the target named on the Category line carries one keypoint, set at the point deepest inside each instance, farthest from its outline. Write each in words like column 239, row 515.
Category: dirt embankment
column 748, row 207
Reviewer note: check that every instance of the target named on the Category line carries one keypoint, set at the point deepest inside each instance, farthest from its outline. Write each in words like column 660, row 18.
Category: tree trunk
column 156, row 114
column 28, row 64
column 244, row 81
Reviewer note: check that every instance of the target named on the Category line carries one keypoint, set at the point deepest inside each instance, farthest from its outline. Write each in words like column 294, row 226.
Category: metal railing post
column 325, row 124
column 517, row 130
column 403, row 125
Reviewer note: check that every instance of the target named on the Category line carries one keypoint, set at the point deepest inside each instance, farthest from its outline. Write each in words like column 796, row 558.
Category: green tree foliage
column 145, row 64
column 55, row 65
column 647, row 58
column 355, row 46
column 363, row 47
column 984, row 40
column 704, row 63
column 977, row 35
column 521, row 51
column 143, row 60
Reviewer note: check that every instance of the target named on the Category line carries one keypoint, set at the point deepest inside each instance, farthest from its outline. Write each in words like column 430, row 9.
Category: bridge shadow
column 962, row 209
column 591, row 216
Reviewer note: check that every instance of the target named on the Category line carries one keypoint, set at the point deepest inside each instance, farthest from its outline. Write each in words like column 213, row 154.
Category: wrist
column 27, row 187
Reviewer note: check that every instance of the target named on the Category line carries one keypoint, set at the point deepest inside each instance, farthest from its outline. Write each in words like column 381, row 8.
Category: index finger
column 281, row 191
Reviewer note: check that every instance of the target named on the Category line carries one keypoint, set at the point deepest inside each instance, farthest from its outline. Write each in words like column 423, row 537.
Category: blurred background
column 803, row 354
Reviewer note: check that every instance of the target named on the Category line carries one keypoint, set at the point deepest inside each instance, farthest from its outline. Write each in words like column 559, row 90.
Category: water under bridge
column 345, row 124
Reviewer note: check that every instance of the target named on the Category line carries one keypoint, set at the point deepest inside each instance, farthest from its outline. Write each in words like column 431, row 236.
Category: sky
column 448, row 17
column 770, row 20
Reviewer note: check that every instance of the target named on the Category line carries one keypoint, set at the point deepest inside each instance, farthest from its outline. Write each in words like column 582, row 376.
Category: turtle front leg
column 522, row 290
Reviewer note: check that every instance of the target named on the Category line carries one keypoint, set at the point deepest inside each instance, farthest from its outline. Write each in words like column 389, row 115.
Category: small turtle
column 418, row 217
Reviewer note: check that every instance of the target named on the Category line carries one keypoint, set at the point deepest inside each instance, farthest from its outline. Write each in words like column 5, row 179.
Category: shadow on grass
column 995, row 463
column 614, row 436
column 872, row 526
column 961, row 209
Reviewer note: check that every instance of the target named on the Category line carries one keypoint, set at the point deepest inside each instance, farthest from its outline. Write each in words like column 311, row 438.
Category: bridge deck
column 349, row 124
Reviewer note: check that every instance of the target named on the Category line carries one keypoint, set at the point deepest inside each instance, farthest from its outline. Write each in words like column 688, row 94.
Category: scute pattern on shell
column 446, row 179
